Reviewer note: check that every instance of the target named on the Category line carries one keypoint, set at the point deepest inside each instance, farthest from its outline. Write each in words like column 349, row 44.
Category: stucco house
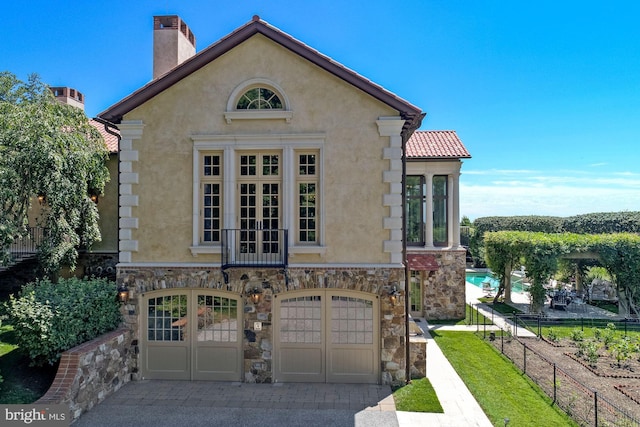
column 261, row 214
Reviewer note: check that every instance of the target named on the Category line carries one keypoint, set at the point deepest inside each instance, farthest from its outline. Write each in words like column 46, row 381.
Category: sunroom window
column 416, row 210
column 440, row 225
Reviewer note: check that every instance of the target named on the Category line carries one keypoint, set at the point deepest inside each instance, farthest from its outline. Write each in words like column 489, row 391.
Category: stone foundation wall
column 444, row 289
column 258, row 345
column 418, row 357
column 90, row 372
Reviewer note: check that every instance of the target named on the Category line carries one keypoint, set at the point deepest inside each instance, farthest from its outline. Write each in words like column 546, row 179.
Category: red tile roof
column 422, row 262
column 110, row 139
column 436, row 144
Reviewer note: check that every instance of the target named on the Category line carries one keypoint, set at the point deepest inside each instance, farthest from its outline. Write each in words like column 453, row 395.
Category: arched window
column 259, row 98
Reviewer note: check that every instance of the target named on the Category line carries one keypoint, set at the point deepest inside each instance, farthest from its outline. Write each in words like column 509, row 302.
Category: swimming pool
column 479, row 278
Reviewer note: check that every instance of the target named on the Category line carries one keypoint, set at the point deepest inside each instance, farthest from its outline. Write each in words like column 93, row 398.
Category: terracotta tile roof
column 436, row 144
column 110, row 139
column 422, row 262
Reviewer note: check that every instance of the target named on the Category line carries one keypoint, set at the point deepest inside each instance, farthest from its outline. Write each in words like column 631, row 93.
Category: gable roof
column 436, row 144
column 407, row 111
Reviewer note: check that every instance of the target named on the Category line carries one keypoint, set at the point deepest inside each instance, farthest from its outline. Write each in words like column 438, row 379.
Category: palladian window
column 259, row 98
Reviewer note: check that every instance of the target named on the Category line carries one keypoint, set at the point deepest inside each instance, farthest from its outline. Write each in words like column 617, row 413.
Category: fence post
column 555, row 384
column 502, row 341
column 539, row 326
column 524, row 365
column 515, row 322
column 595, row 405
column 484, row 327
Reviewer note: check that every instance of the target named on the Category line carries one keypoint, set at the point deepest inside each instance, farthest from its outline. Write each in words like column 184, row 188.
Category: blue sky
column 545, row 94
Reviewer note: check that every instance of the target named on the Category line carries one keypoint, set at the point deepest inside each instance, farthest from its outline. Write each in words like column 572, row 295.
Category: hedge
column 49, row 318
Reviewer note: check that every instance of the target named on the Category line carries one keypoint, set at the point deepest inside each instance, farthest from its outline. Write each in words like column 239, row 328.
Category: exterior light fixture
column 123, row 293
column 93, row 195
column 42, row 198
column 393, row 294
column 255, row 295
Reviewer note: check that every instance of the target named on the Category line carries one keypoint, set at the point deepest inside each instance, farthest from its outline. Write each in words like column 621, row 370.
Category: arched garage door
column 326, row 335
column 192, row 335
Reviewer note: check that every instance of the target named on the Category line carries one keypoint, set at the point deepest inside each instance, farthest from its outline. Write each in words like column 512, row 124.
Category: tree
column 48, row 148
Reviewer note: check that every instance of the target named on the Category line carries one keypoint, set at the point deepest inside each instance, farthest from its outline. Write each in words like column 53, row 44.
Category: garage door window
column 301, row 320
column 167, row 318
column 217, row 319
column 351, row 320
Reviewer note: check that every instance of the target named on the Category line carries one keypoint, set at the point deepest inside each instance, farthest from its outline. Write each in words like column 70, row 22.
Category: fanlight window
column 259, row 98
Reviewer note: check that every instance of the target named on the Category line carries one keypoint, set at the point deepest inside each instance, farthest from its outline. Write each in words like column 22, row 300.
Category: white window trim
column 233, row 114
column 230, row 144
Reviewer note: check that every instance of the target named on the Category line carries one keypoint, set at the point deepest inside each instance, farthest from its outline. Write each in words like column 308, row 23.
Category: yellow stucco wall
column 353, row 184
column 108, row 210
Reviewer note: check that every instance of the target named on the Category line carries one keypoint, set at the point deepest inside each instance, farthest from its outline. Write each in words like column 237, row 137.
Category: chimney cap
column 255, row 18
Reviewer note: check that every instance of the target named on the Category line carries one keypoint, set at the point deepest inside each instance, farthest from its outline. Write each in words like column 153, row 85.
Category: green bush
column 50, row 318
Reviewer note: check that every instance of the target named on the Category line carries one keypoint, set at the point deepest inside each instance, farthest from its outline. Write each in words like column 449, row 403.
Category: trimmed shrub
column 50, row 318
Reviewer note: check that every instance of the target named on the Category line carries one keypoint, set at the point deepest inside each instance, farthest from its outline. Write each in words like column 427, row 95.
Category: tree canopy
column 619, row 253
column 50, row 149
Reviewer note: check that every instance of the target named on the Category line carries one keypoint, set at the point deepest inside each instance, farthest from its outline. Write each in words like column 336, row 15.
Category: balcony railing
column 255, row 248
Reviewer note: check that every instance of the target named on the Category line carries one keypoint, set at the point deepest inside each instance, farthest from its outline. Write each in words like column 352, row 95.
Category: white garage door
column 326, row 335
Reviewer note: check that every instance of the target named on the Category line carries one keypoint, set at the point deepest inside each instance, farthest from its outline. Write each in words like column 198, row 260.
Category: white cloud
column 561, row 193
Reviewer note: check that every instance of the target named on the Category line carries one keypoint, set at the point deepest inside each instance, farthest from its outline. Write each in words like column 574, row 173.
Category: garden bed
column 620, row 385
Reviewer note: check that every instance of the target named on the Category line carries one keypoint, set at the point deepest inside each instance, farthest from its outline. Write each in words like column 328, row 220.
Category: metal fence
column 577, row 399
column 27, row 246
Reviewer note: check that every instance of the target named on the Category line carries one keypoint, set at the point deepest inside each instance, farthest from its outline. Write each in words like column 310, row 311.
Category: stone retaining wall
column 90, row 372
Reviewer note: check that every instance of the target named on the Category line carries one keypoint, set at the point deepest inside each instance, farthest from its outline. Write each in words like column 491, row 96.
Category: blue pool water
column 478, row 279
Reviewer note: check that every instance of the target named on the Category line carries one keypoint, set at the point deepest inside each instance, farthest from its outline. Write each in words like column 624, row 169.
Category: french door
column 259, row 205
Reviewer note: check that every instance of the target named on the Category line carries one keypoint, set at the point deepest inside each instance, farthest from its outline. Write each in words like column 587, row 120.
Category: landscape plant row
column 49, row 318
column 621, row 347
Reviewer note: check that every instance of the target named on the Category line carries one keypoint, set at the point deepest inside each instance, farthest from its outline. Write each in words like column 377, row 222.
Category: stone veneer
column 444, row 289
column 90, row 372
column 258, row 345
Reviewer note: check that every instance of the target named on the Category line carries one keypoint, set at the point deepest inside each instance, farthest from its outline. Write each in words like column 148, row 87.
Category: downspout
column 412, row 123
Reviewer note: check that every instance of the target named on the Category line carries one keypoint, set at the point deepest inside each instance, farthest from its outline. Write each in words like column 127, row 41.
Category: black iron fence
column 255, row 248
column 27, row 246
column 584, row 404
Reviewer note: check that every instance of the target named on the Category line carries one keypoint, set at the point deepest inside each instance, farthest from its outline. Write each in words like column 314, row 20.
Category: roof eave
column 409, row 112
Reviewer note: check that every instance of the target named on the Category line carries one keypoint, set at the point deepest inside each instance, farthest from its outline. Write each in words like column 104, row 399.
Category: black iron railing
column 26, row 246
column 255, row 248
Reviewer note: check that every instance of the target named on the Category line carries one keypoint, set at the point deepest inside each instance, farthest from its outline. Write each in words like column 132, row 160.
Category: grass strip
column 500, row 388
column 418, row 396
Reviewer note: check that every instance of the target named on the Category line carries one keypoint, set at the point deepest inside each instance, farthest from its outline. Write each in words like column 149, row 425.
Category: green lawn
column 418, row 396
column 500, row 389
column 21, row 383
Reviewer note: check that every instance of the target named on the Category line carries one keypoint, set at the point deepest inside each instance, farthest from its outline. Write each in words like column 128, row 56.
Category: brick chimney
column 173, row 43
column 66, row 95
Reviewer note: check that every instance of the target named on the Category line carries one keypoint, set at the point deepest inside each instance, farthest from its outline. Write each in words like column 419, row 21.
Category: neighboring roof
column 436, row 144
column 422, row 262
column 111, row 139
column 407, row 111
